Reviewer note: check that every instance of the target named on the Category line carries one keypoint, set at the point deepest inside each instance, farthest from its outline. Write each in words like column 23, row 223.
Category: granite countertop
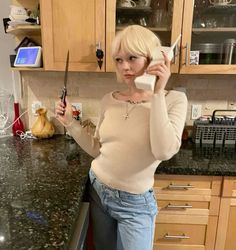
column 195, row 159
column 42, row 183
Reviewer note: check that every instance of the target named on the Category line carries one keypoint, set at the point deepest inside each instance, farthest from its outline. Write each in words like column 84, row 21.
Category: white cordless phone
column 147, row 81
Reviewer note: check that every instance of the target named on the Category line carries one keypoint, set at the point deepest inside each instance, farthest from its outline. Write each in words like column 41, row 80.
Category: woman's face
column 130, row 66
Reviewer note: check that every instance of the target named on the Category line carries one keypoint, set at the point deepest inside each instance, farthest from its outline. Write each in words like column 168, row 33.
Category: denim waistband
column 93, row 178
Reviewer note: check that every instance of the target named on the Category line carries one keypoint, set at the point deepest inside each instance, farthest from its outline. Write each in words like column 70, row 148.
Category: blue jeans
column 121, row 220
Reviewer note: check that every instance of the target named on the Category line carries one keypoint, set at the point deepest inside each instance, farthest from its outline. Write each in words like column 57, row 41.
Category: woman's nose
column 126, row 65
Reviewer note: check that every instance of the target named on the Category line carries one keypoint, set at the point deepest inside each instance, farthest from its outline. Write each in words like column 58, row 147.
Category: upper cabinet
column 74, row 25
column 209, row 37
column 163, row 17
column 207, row 46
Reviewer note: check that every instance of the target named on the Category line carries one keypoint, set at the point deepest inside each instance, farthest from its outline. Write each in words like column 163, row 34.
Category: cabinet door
column 163, row 17
column 74, row 25
column 229, row 187
column 227, row 223
column 209, row 37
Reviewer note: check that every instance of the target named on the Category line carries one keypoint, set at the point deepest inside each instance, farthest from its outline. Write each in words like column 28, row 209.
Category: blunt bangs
column 135, row 40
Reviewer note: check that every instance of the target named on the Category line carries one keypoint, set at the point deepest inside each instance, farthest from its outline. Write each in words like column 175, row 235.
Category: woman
column 137, row 129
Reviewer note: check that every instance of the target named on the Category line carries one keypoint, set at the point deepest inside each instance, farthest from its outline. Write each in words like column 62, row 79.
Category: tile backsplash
column 211, row 91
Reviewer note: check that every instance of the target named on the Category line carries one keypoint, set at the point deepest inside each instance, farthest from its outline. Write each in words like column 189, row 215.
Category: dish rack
column 215, row 129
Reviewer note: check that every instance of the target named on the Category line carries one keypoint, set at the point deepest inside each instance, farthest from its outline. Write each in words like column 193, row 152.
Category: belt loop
column 118, row 194
column 92, row 177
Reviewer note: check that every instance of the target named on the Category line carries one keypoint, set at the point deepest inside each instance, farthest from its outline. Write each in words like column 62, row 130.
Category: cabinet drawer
column 188, row 185
column 185, row 232
column 188, row 204
column 161, row 246
column 180, row 234
column 183, row 207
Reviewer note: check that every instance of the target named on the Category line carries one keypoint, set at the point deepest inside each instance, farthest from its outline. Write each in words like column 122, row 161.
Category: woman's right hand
column 64, row 113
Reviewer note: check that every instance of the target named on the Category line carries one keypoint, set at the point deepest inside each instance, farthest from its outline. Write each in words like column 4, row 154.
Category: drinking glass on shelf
column 158, row 18
column 143, row 21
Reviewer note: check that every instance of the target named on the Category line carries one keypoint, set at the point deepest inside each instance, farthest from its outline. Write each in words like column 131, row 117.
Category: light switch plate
column 35, row 106
column 196, row 111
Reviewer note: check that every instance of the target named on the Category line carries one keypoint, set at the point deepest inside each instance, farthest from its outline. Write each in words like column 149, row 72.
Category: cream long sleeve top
column 128, row 151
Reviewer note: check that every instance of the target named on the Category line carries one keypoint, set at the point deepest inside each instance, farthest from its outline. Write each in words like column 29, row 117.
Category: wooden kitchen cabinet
column 188, row 212
column 227, row 217
column 81, row 26
column 206, row 28
column 162, row 17
column 77, row 26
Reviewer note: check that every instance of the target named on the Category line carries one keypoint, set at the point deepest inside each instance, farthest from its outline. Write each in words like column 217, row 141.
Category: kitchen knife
column 64, row 91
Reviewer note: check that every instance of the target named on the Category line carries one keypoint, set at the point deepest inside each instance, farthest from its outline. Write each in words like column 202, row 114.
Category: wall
column 213, row 92
column 7, row 45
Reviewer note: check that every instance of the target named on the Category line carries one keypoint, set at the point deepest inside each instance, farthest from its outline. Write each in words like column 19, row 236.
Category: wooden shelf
column 220, row 29
column 159, row 28
column 134, row 9
column 150, row 28
column 27, row 69
column 29, row 29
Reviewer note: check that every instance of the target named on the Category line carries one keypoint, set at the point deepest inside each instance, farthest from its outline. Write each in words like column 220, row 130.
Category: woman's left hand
column 162, row 70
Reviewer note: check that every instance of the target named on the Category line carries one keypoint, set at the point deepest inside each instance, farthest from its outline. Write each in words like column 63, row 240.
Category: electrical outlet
column 35, row 106
column 77, row 109
column 196, row 111
column 232, row 105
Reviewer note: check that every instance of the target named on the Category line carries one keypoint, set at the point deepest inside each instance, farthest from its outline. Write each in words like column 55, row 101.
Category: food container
column 210, row 53
column 229, row 51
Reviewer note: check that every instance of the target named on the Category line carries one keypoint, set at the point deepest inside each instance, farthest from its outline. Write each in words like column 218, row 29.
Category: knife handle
column 63, row 95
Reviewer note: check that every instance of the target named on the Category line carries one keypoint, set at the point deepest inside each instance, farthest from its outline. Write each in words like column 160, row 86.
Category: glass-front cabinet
column 163, row 17
column 209, row 37
column 208, row 28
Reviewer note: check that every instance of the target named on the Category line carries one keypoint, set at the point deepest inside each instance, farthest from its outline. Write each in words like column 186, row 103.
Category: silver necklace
column 127, row 110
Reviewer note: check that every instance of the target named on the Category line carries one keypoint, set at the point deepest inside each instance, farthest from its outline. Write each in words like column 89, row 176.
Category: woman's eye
column 118, row 60
column 132, row 58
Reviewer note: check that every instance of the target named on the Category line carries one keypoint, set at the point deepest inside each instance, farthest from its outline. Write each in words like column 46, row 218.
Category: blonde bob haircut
column 135, row 40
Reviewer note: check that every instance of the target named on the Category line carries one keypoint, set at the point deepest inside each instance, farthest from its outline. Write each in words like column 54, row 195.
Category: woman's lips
column 128, row 76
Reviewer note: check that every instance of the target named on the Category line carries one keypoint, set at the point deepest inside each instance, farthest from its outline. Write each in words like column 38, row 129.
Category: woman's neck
column 134, row 95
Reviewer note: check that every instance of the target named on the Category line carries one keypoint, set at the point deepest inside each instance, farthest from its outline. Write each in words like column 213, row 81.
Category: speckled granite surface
column 42, row 183
column 201, row 160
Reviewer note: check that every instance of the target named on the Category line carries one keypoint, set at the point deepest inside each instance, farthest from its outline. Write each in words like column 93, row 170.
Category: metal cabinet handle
column 176, row 54
column 186, row 54
column 171, row 237
column 170, row 206
column 172, row 186
column 99, row 54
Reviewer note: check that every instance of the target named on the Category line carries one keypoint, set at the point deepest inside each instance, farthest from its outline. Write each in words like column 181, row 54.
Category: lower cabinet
column 188, row 212
column 227, row 218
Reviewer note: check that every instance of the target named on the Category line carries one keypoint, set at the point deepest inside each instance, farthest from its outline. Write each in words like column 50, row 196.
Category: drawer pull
column 170, row 206
column 173, row 237
column 173, row 186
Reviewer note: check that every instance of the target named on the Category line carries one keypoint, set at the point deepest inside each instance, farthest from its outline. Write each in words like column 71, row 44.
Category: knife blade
column 64, row 90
